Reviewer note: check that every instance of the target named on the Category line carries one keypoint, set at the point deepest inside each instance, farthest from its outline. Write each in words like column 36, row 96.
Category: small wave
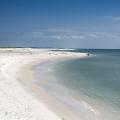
column 90, row 108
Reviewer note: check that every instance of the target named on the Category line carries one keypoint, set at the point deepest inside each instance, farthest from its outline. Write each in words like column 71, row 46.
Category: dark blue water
column 95, row 80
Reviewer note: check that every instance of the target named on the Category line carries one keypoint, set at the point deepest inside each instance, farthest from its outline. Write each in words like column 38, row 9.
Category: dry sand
column 16, row 103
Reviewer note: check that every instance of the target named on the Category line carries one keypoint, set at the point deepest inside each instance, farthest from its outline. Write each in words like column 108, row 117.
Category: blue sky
column 60, row 23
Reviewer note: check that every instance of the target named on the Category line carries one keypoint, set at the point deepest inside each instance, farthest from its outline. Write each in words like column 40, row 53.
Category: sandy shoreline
column 18, row 103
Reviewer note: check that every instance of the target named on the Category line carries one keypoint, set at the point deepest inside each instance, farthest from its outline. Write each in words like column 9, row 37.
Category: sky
column 60, row 23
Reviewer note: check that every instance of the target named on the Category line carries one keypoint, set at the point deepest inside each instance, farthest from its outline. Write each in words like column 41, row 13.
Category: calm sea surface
column 90, row 86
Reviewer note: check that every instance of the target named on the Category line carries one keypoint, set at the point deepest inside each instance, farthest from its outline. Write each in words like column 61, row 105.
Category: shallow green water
column 95, row 80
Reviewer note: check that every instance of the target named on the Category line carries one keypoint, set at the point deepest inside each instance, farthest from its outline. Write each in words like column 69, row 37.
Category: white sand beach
column 16, row 103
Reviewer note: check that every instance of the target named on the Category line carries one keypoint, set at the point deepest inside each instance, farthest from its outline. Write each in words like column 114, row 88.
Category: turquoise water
column 90, row 87
column 95, row 80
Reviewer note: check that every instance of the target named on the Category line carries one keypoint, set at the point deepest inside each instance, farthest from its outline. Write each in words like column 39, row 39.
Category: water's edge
column 52, row 86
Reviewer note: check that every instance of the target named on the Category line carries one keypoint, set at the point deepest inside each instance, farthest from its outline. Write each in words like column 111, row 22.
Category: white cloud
column 57, row 34
column 108, row 35
column 59, row 30
column 75, row 35
column 113, row 18
column 116, row 18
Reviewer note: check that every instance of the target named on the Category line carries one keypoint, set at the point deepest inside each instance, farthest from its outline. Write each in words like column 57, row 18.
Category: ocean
column 89, row 86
